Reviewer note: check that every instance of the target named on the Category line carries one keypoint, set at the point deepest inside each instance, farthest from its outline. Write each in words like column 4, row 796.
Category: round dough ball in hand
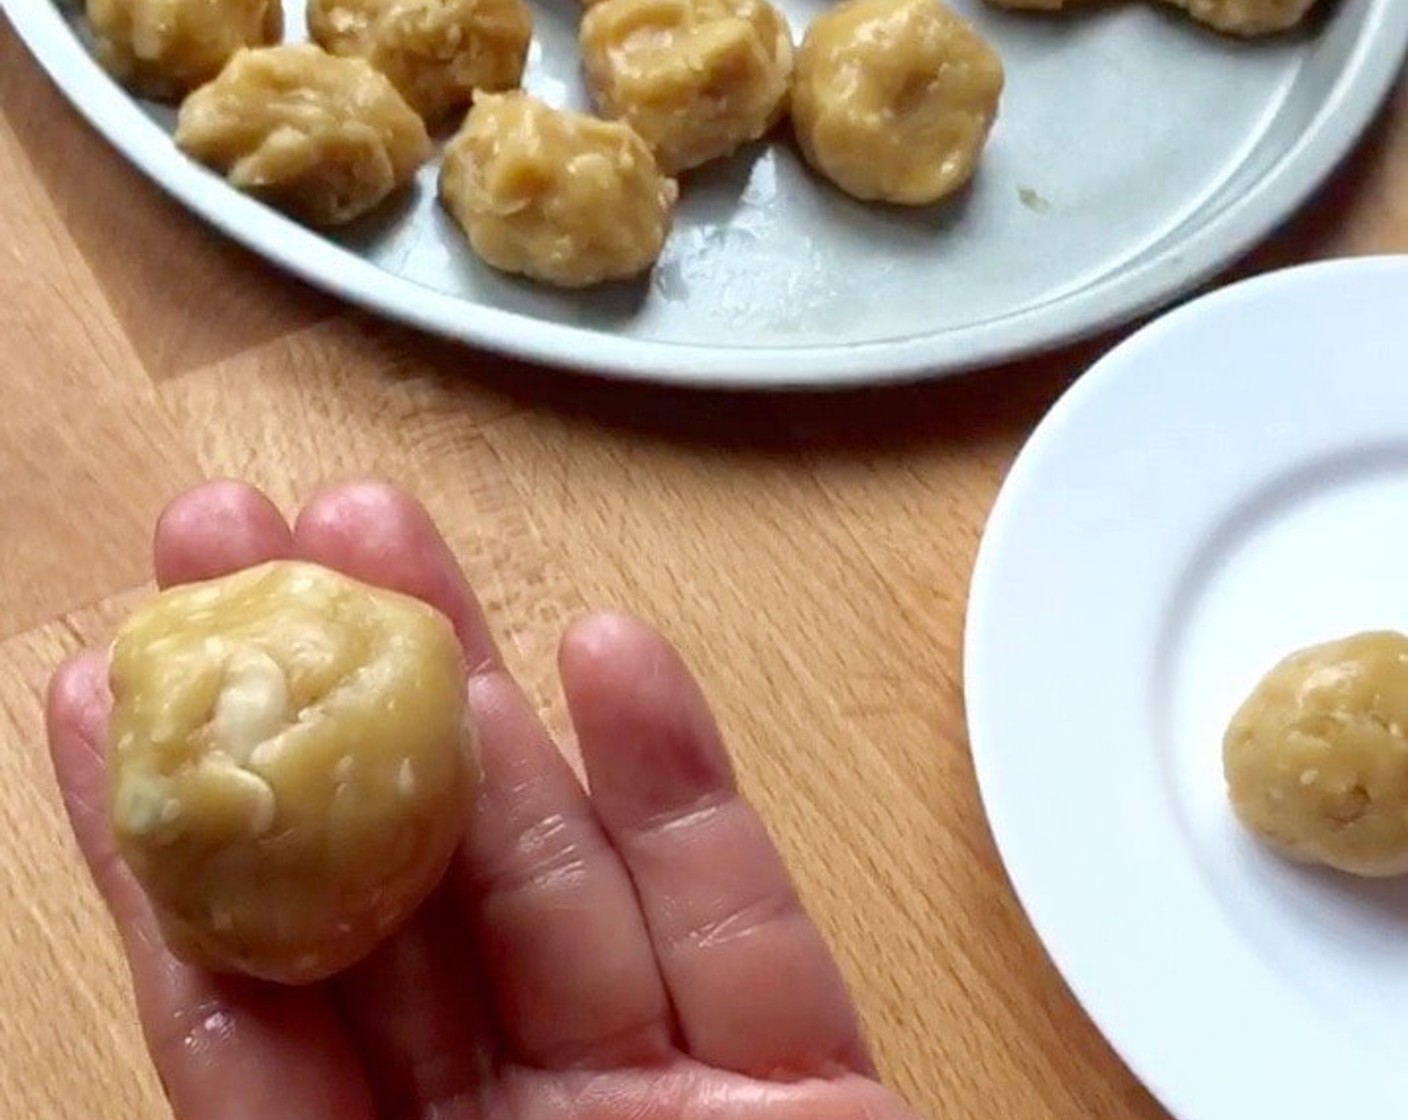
column 553, row 195
column 893, row 100
column 1247, row 18
column 163, row 49
column 436, row 52
column 290, row 762
column 324, row 138
column 1316, row 757
column 695, row 78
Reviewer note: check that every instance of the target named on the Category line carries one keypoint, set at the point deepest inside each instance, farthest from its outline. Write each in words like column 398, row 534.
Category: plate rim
column 1092, row 992
column 1359, row 94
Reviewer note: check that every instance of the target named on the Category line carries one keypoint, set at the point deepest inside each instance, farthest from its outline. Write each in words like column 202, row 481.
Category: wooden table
column 810, row 554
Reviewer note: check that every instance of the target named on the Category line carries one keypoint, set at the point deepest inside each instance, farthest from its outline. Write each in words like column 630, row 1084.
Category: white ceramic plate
column 1135, row 156
column 1225, row 486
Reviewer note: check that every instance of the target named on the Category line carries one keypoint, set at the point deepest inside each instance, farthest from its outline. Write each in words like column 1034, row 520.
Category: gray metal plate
column 1134, row 156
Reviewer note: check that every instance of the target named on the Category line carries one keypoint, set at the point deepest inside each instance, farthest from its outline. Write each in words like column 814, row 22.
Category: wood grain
column 809, row 553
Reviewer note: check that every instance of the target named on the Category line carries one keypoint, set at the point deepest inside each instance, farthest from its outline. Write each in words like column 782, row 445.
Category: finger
column 78, row 705
column 375, row 532
column 418, row 1010
column 754, row 987
column 571, row 965
column 408, row 1002
column 217, row 528
column 224, row 1049
column 570, row 958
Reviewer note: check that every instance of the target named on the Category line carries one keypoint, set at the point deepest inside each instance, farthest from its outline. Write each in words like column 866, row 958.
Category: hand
column 632, row 953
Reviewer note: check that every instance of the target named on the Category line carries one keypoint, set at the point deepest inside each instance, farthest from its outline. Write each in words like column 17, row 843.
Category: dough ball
column 1316, row 758
column 1247, row 18
column 893, row 100
column 163, row 49
column 436, row 52
column 324, row 138
column 290, row 765
column 553, row 195
column 696, row 78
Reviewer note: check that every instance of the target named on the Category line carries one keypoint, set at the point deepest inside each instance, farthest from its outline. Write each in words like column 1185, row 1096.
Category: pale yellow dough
column 696, row 79
column 894, row 100
column 436, row 52
column 1247, row 18
column 324, row 138
column 553, row 195
column 1316, row 757
column 163, row 49
column 290, row 764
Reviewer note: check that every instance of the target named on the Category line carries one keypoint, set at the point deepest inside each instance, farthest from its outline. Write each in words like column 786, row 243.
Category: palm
column 695, row 1091
column 634, row 953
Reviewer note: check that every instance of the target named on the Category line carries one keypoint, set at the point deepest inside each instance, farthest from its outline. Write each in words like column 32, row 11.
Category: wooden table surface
column 810, row 554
